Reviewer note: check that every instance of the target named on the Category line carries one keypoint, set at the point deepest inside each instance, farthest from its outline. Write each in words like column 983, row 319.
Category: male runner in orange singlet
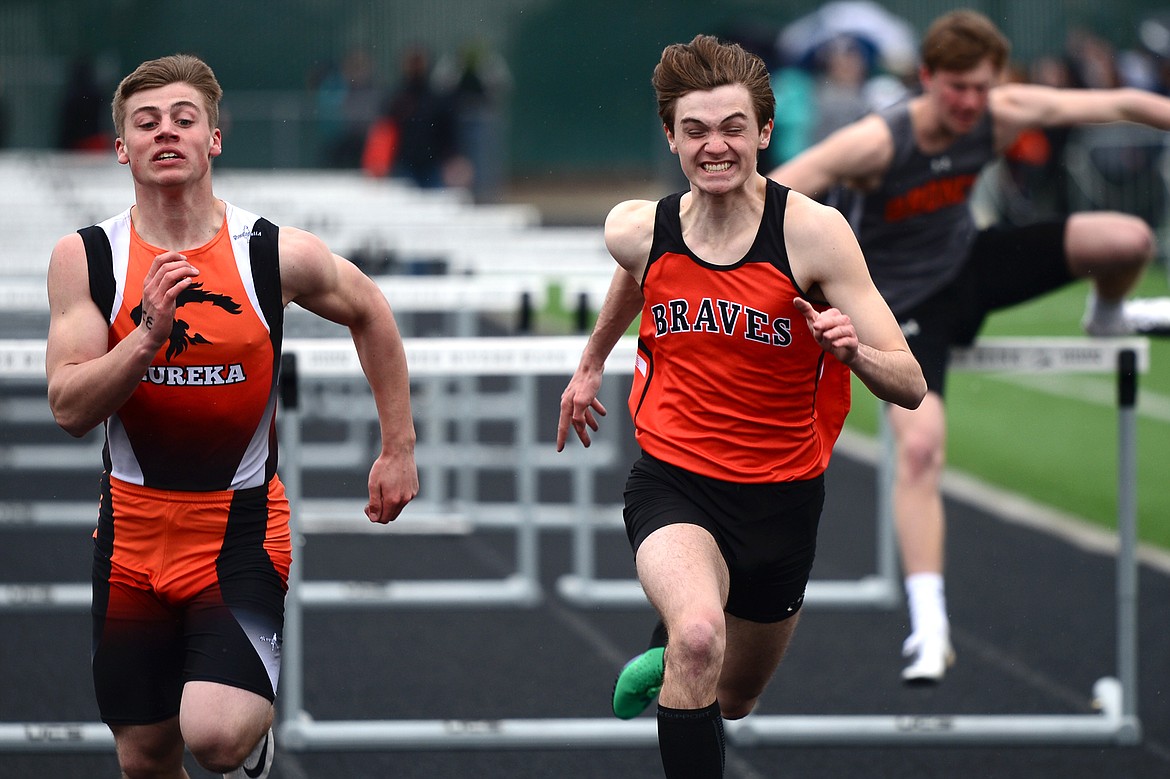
column 166, row 327
column 755, row 305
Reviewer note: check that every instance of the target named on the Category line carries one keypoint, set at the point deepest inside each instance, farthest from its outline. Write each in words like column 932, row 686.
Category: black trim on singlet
column 264, row 256
column 768, row 245
column 644, row 351
column 820, row 372
column 100, row 260
column 667, row 232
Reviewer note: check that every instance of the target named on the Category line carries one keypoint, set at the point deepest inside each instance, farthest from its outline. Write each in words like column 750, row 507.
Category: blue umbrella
column 890, row 40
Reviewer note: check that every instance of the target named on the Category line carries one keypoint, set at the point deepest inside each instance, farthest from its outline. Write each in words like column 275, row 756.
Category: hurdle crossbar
column 1109, row 727
column 301, row 733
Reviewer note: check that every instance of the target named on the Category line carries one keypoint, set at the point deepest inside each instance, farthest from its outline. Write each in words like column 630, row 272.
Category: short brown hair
column 960, row 40
column 704, row 64
column 176, row 68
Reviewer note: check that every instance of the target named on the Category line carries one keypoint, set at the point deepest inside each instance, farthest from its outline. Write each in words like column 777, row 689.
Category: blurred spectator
column 1116, row 166
column 1092, row 61
column 795, row 113
column 839, row 62
column 424, row 123
column 477, row 83
column 84, row 116
column 843, row 67
column 1154, row 33
column 1050, row 172
column 840, row 82
column 347, row 104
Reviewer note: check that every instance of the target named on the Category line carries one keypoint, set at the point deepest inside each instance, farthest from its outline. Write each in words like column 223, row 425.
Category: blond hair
column 176, row 68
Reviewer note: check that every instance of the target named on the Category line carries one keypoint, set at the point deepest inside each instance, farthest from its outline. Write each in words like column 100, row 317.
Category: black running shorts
column 1006, row 266
column 766, row 532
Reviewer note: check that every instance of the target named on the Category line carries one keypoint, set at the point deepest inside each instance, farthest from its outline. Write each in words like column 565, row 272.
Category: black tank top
column 916, row 228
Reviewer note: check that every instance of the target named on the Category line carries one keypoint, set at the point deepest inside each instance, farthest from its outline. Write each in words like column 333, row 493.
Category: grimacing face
column 717, row 137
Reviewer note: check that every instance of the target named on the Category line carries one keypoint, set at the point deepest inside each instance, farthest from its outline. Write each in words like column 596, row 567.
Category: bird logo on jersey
column 181, row 336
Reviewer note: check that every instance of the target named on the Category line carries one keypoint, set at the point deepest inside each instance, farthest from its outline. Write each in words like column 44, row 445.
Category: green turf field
column 1054, row 438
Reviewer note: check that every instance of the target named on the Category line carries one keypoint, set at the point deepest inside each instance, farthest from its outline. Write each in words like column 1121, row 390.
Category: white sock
column 1104, row 317
column 928, row 603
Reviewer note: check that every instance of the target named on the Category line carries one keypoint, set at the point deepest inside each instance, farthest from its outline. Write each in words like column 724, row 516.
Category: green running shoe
column 638, row 683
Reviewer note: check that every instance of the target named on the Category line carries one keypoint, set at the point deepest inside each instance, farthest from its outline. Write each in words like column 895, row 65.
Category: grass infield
column 1053, row 438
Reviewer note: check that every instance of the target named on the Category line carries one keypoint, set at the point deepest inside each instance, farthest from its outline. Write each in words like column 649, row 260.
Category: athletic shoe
column 932, row 656
column 259, row 763
column 638, row 683
column 1148, row 316
column 1140, row 316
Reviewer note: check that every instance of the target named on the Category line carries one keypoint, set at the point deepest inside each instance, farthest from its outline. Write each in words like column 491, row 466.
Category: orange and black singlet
column 729, row 382
column 203, row 417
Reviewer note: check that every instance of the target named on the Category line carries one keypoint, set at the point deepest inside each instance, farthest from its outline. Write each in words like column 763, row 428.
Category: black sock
column 658, row 637
column 691, row 742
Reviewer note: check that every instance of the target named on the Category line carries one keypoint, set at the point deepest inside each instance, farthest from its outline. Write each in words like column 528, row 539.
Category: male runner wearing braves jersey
column 166, row 327
column 755, row 305
column 916, row 163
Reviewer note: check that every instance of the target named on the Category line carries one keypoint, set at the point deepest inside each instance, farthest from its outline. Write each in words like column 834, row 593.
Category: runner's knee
column 696, row 646
column 1129, row 245
column 920, row 454
column 219, row 749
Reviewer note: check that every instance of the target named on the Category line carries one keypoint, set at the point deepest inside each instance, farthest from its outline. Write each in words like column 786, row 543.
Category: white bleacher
column 349, row 211
column 24, row 295
column 45, row 196
column 501, row 252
